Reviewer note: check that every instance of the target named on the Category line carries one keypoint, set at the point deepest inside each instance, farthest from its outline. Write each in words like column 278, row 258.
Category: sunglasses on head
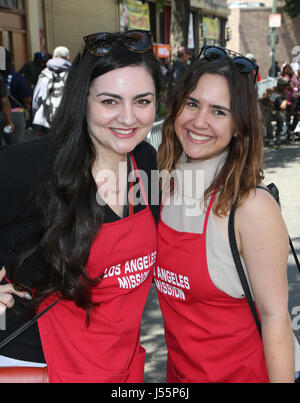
column 242, row 63
column 103, row 43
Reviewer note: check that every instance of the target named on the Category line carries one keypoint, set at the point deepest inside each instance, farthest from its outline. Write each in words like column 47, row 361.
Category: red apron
column 211, row 337
column 108, row 350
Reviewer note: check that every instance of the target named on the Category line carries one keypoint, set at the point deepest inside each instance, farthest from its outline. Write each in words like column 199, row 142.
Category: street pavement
column 282, row 167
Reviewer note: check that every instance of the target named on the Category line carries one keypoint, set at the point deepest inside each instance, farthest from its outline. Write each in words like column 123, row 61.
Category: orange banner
column 161, row 50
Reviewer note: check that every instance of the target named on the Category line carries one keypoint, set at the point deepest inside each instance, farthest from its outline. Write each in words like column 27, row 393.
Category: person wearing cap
column 32, row 69
column 56, row 72
column 273, row 104
column 179, row 66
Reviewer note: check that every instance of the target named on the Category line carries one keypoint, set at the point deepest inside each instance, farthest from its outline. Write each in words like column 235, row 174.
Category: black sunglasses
column 242, row 63
column 103, row 43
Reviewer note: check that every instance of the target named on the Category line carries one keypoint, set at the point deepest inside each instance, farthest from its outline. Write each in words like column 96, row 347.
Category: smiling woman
column 204, row 128
column 74, row 235
column 213, row 127
column 119, row 114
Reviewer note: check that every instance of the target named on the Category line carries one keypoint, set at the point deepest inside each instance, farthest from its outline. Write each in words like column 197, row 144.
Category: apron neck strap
column 136, row 170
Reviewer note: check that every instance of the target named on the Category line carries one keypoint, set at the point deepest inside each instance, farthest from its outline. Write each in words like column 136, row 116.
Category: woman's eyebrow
column 109, row 94
column 220, row 107
column 145, row 94
column 194, row 100
column 211, row 106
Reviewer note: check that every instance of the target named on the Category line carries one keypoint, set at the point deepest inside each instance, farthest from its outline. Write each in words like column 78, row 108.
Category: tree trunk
column 180, row 17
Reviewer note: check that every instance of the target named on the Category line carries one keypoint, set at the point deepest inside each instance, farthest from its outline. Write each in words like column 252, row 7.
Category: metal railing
column 155, row 135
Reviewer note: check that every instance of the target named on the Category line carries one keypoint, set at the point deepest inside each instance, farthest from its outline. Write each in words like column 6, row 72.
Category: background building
column 13, row 29
column 207, row 20
column 211, row 18
column 249, row 27
column 67, row 21
column 29, row 26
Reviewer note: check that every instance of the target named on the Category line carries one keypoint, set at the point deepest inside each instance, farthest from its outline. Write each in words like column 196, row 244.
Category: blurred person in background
column 273, row 104
column 289, row 74
column 49, row 90
column 277, row 70
column 179, row 66
column 32, row 69
column 20, row 101
column 5, row 112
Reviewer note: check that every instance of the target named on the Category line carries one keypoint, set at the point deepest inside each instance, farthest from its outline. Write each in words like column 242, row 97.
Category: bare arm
column 7, row 111
column 263, row 242
column 27, row 103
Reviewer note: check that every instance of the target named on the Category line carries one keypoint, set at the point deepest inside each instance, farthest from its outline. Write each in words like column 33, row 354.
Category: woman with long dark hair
column 213, row 148
column 95, row 233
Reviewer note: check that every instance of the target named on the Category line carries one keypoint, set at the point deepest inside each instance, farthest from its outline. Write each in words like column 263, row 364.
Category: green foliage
column 292, row 7
column 161, row 3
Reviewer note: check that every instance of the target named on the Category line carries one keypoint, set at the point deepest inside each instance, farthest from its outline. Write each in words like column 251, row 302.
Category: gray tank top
column 184, row 211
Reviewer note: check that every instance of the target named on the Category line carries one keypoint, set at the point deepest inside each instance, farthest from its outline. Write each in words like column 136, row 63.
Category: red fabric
column 109, row 350
column 211, row 337
column 23, row 375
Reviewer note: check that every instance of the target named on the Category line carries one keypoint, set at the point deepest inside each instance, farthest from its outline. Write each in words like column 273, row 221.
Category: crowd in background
column 281, row 104
column 30, row 97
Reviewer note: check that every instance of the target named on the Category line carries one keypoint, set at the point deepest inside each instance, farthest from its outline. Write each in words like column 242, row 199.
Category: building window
column 13, row 4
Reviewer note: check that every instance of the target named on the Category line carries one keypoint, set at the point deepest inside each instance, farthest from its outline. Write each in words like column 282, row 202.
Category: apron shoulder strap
column 139, row 179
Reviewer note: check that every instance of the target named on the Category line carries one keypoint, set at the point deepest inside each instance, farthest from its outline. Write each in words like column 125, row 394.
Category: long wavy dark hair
column 242, row 170
column 70, row 214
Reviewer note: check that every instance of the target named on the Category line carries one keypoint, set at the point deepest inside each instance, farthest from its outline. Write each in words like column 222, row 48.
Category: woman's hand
column 6, row 294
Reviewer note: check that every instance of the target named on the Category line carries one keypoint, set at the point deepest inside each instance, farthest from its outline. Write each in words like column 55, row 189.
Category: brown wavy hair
column 242, row 170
